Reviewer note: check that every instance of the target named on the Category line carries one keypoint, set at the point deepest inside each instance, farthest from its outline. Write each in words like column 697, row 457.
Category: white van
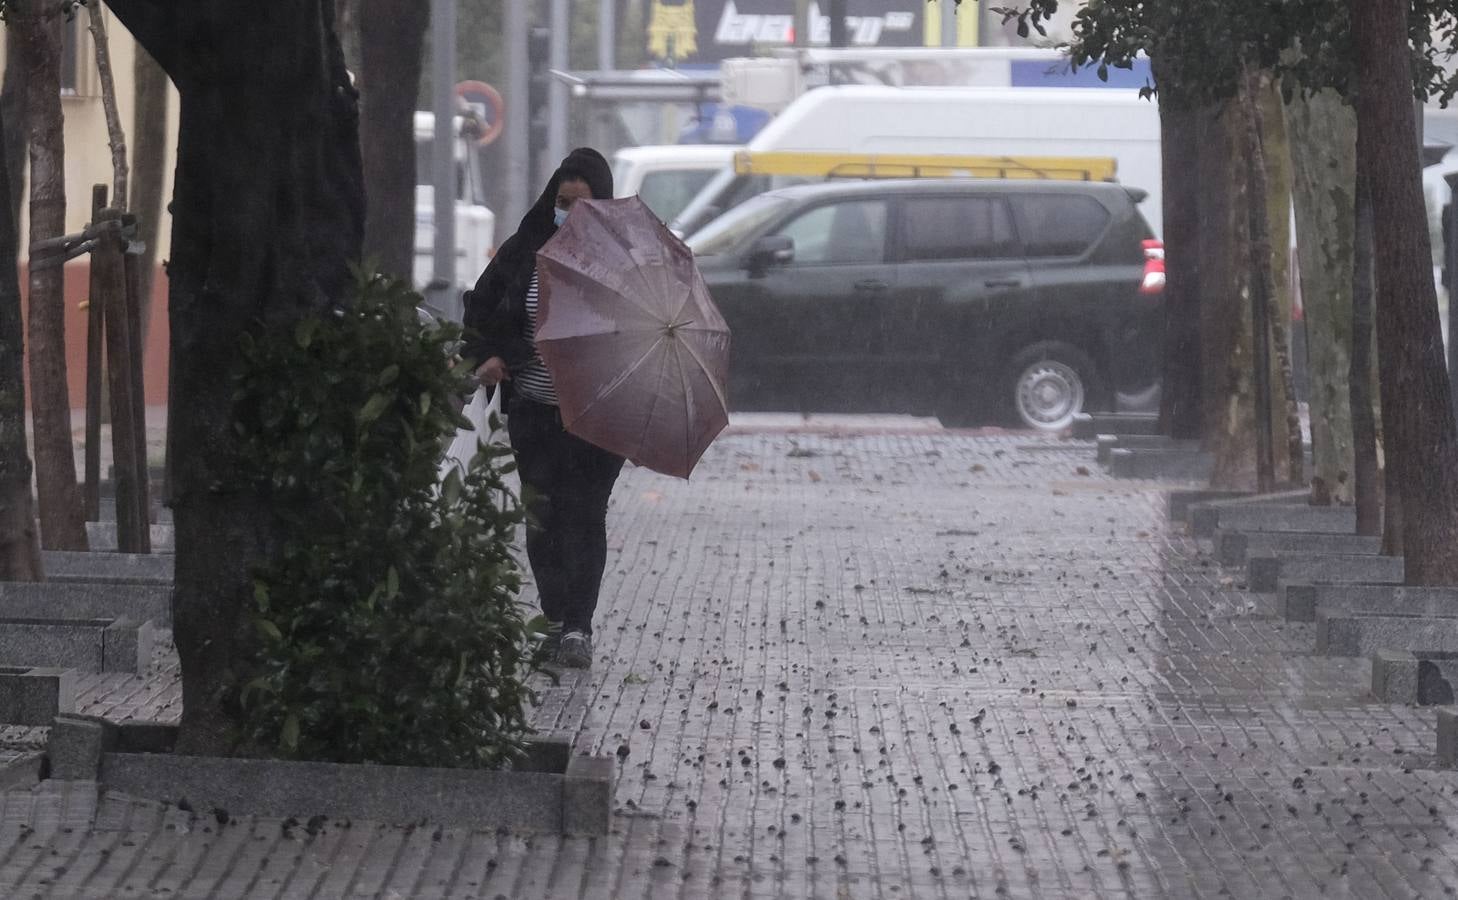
column 1018, row 122
column 475, row 222
column 668, row 176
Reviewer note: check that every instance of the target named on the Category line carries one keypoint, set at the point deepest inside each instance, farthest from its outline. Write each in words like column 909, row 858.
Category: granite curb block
column 1418, row 679
column 1448, row 736
column 1209, row 518
column 102, row 536
column 1345, row 633
column 1108, row 443
column 35, row 696
column 1234, row 548
column 1087, row 427
column 1204, row 517
column 89, row 600
column 86, row 567
column 1178, row 503
column 1266, row 571
column 1178, row 465
column 89, row 645
column 23, row 772
column 553, row 792
column 1300, row 602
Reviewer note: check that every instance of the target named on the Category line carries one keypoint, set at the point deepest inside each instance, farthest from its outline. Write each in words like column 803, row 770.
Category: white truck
column 983, row 122
column 475, row 222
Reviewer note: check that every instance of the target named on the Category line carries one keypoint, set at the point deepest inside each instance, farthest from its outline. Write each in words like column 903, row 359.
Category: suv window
column 1059, row 225
column 942, row 228
column 839, row 233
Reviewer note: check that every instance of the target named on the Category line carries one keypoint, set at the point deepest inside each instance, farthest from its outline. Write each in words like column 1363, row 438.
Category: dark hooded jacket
column 495, row 309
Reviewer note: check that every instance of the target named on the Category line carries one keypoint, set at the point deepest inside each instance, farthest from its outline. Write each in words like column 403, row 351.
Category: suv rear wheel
column 1050, row 383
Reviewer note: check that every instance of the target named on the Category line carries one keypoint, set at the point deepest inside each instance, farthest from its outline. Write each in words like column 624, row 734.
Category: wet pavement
column 883, row 662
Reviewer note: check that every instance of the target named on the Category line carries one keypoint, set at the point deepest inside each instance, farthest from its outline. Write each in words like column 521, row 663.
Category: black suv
column 968, row 299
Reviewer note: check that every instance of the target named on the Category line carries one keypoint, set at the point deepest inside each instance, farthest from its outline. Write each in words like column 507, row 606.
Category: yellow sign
column 672, row 33
column 900, row 165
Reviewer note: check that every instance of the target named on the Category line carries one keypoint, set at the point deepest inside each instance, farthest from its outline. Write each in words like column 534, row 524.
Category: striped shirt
column 533, row 380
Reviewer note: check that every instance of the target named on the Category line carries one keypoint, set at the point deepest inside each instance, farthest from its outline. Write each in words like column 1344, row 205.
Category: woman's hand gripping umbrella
column 636, row 348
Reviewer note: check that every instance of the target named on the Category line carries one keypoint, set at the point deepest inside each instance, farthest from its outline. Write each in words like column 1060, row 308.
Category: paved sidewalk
column 908, row 664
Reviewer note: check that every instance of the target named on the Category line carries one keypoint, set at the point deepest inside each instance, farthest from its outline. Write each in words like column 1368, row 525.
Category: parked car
column 973, row 300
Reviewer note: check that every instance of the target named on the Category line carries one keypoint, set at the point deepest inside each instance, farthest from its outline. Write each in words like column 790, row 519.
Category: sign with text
column 705, row 32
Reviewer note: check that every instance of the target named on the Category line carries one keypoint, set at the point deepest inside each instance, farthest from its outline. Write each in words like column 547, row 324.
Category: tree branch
column 153, row 23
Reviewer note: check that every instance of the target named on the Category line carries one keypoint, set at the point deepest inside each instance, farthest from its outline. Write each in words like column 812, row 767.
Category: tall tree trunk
column 1261, row 281
column 1275, row 150
column 1362, row 381
column 1323, row 135
column 17, row 128
column 20, row 558
column 63, row 525
column 1180, row 396
column 392, row 46
column 149, row 172
column 1418, row 422
column 1227, row 386
column 264, row 231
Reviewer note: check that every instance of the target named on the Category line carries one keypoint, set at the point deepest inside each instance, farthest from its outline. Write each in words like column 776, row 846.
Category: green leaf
column 304, row 332
column 392, row 583
column 289, row 737
column 374, row 408
column 269, row 630
column 260, row 596
column 388, row 376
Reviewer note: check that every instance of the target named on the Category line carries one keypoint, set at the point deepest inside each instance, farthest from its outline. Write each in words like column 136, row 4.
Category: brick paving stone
column 884, row 664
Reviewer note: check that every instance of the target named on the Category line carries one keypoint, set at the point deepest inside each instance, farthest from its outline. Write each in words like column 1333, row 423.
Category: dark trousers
column 566, row 483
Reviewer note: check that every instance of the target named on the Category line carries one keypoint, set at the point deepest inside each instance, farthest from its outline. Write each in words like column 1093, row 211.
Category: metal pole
column 442, row 294
column 518, row 117
column 557, row 98
column 607, row 35
column 949, row 22
column 802, row 23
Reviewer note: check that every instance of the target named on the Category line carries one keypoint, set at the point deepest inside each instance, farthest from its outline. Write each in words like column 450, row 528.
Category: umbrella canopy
column 637, row 350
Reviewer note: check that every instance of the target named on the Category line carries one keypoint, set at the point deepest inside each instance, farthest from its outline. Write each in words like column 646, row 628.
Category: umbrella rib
column 713, row 382
column 620, row 380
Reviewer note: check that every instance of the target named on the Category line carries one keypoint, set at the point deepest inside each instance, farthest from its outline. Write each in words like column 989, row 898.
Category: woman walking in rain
column 566, row 481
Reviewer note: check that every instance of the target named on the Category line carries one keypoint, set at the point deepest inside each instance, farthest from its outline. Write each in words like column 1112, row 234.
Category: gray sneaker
column 576, row 650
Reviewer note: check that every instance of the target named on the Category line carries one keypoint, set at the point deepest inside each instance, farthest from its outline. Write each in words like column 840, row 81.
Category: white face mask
column 559, row 216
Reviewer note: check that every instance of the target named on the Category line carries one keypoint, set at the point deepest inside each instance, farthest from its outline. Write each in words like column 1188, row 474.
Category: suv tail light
column 1153, row 282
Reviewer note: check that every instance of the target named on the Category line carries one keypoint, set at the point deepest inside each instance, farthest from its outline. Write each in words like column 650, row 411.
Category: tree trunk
column 116, row 134
column 1418, row 422
column 17, row 129
column 392, row 46
column 1362, row 380
column 1260, row 281
column 20, row 558
column 1323, row 136
column 1179, row 411
column 264, row 232
column 149, row 172
column 1275, row 149
column 63, row 525
column 1228, row 400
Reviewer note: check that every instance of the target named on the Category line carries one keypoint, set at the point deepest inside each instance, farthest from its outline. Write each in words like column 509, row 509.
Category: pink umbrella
column 637, row 350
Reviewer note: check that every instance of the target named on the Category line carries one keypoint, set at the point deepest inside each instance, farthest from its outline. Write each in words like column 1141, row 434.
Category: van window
column 941, row 228
column 667, row 192
column 840, row 234
column 1059, row 225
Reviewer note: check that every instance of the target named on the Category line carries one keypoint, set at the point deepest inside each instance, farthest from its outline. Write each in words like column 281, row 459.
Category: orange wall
column 154, row 374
